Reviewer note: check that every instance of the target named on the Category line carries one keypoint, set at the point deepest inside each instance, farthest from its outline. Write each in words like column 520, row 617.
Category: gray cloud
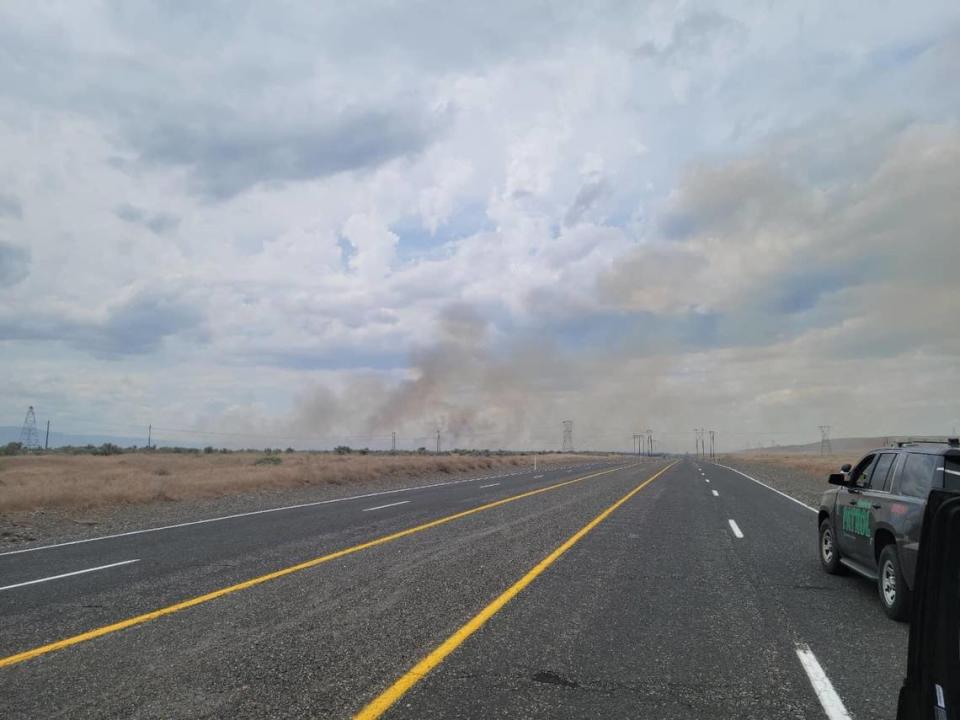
column 135, row 327
column 159, row 223
column 227, row 154
column 10, row 207
column 588, row 195
column 14, row 264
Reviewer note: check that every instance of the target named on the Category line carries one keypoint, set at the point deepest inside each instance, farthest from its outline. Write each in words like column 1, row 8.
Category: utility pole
column 46, row 439
column 649, row 442
column 636, row 440
column 149, row 436
column 825, row 447
column 713, row 454
column 393, row 442
column 438, row 441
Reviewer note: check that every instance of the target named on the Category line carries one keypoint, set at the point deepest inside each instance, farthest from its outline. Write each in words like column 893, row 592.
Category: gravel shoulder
column 805, row 486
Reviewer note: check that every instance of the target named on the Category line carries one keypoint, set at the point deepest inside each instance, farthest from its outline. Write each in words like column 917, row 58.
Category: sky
column 313, row 224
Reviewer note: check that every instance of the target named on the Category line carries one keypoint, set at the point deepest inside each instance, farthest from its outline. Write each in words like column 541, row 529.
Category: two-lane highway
column 608, row 592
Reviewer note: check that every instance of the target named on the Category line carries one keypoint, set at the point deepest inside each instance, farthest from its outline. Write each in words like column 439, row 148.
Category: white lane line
column 537, row 477
column 240, row 515
column 490, row 485
column 706, row 480
column 381, row 507
column 831, row 702
column 69, row 574
column 736, row 528
column 715, row 493
column 788, row 497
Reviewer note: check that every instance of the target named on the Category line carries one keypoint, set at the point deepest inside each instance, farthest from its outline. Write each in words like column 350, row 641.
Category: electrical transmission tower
column 567, row 436
column 649, row 442
column 825, row 448
column 636, row 441
column 29, row 437
column 713, row 444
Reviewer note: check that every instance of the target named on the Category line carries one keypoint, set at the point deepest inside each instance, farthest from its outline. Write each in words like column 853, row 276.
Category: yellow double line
column 388, row 697
column 208, row 597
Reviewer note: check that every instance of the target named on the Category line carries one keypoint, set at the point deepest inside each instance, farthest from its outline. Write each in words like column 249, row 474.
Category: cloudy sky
column 304, row 222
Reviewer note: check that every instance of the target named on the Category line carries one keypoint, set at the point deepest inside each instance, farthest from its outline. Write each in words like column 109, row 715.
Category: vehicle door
column 916, row 475
column 853, row 512
column 878, row 503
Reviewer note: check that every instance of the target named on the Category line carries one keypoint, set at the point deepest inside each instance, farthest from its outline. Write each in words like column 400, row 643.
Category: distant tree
column 342, row 450
column 289, row 450
column 208, row 449
column 11, row 448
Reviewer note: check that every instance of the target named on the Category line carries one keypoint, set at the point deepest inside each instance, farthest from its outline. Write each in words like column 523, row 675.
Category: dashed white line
column 831, row 702
column 715, row 493
column 736, row 528
column 537, row 477
column 490, row 485
column 706, row 480
column 69, row 574
column 381, row 507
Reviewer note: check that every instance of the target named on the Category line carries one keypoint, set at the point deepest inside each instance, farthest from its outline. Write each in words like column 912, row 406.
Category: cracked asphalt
column 658, row 611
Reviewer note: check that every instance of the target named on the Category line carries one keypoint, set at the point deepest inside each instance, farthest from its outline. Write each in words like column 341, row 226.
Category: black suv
column 871, row 523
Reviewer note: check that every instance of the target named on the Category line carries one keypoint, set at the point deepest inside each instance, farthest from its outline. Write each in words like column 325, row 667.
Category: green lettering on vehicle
column 856, row 520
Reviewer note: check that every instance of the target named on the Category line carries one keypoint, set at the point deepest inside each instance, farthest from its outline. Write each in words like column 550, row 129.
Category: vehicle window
column 860, row 475
column 917, row 475
column 878, row 479
column 951, row 473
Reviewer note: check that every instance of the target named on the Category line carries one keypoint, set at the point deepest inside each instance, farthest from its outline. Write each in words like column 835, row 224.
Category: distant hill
column 840, row 446
column 12, row 434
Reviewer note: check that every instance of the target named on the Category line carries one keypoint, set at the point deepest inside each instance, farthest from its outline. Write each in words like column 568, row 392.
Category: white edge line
column 381, row 507
column 778, row 492
column 490, row 485
column 706, row 479
column 69, row 574
column 831, row 702
column 715, row 493
column 736, row 528
column 237, row 515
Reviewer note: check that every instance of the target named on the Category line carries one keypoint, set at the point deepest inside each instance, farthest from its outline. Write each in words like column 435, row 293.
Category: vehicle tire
column 829, row 555
column 894, row 593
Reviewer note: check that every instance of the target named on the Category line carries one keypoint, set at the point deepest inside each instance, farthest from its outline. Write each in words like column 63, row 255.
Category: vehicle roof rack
column 951, row 441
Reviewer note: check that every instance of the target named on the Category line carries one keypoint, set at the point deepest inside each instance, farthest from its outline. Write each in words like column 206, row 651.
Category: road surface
column 641, row 590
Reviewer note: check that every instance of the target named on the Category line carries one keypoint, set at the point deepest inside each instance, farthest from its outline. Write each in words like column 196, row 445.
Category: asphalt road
column 576, row 593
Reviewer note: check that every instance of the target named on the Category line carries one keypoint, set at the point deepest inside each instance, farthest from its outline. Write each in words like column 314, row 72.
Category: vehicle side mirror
column 932, row 686
column 845, row 467
column 837, row 479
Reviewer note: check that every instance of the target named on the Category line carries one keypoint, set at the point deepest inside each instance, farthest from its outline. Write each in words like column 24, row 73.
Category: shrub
column 208, row 449
column 289, row 450
column 11, row 448
column 268, row 460
column 342, row 450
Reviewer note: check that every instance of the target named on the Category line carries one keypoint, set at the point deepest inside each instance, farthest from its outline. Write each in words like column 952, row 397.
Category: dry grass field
column 84, row 481
column 819, row 465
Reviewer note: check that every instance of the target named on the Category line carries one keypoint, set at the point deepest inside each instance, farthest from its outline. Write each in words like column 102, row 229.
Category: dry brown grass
column 812, row 464
column 83, row 481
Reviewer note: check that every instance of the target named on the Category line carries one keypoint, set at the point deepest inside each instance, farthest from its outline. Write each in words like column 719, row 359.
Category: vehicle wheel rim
column 826, row 546
column 888, row 583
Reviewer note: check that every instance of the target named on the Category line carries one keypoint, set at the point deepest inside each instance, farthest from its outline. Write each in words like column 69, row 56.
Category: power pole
column 649, row 442
column 46, row 439
column 393, row 442
column 149, row 436
column 567, row 445
column 713, row 454
column 636, row 440
column 825, row 447
column 438, row 441
column 29, row 439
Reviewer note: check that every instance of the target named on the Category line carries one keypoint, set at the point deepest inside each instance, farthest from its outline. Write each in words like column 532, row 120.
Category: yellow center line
column 200, row 599
column 388, row 697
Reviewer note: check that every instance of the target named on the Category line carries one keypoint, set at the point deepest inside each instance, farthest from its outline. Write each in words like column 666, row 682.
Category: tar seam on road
column 736, row 528
column 788, row 497
column 255, row 512
column 380, row 704
column 831, row 702
column 69, row 574
column 200, row 599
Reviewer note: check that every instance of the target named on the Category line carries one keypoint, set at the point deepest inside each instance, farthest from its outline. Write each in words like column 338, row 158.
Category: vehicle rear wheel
column 829, row 555
column 894, row 593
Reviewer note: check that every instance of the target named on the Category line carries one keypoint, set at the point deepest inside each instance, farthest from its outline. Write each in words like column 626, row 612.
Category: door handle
column 876, row 506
